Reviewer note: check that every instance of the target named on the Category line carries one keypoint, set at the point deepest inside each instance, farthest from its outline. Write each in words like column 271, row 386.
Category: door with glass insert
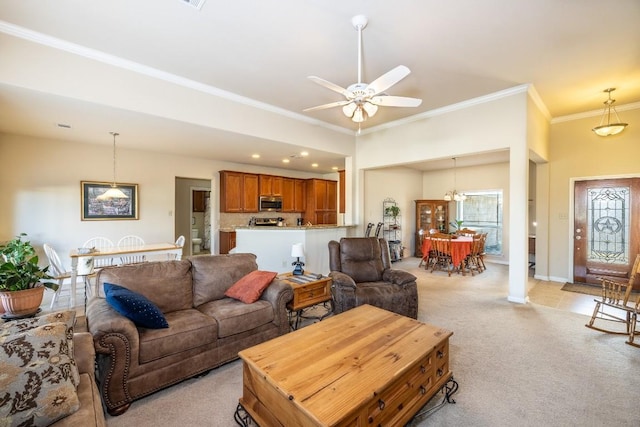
column 606, row 230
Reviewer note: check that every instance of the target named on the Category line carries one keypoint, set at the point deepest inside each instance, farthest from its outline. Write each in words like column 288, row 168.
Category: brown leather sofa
column 90, row 413
column 362, row 274
column 206, row 329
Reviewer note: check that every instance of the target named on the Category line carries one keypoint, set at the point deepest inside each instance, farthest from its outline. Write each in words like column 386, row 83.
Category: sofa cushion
column 135, row 307
column 249, row 288
column 166, row 283
column 214, row 274
column 188, row 329
column 68, row 317
column 234, row 317
column 37, row 378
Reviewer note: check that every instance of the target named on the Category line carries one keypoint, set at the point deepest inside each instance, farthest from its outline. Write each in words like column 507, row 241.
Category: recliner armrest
column 398, row 277
column 341, row 279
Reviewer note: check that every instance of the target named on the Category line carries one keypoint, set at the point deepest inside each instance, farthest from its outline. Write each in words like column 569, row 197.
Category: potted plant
column 22, row 280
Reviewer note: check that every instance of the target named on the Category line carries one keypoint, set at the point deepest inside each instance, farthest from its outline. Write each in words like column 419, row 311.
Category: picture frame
column 94, row 209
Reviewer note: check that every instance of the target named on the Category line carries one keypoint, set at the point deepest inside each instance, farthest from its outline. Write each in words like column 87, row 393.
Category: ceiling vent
column 195, row 3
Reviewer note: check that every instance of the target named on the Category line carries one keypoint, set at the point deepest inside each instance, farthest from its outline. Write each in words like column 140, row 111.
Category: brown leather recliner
column 362, row 274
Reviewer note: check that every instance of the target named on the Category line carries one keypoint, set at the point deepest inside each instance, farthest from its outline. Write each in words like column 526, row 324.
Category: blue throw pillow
column 135, row 307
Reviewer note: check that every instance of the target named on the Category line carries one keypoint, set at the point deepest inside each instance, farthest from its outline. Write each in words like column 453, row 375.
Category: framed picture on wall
column 95, row 206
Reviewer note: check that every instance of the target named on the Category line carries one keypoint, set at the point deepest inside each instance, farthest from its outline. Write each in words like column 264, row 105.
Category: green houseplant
column 22, row 280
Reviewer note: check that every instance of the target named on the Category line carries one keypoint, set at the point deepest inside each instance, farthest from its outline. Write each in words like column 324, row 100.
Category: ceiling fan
column 362, row 99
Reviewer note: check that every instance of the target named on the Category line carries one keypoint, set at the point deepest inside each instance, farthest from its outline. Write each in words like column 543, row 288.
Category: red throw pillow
column 250, row 287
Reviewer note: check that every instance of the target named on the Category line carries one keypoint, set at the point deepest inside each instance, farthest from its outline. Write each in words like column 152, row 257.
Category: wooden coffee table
column 363, row 367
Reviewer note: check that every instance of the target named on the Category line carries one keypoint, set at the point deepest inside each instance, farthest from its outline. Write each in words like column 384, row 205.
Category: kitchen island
column 272, row 245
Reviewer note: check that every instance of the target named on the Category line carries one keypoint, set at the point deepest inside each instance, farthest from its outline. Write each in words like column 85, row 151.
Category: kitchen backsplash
column 231, row 220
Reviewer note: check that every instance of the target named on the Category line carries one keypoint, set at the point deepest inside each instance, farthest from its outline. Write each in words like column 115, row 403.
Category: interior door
column 606, row 233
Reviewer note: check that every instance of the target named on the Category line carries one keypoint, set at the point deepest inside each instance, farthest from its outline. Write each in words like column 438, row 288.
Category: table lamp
column 297, row 251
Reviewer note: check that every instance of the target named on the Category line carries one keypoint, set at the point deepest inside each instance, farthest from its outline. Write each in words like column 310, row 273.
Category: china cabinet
column 430, row 214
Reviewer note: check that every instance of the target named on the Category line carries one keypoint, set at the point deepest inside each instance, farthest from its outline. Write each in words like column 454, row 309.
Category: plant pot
column 22, row 303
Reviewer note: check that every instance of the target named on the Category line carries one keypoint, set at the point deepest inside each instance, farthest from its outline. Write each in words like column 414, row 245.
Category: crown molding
column 593, row 113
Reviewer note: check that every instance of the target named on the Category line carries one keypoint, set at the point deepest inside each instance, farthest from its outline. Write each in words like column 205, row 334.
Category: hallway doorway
column 193, row 214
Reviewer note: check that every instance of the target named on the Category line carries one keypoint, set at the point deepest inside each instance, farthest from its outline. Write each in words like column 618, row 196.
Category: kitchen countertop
column 288, row 227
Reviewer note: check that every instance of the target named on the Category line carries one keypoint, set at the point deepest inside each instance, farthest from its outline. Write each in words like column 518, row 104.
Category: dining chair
column 58, row 272
column 472, row 261
column 100, row 244
column 441, row 244
column 616, row 296
column 481, row 250
column 131, row 241
column 367, row 232
column 180, row 243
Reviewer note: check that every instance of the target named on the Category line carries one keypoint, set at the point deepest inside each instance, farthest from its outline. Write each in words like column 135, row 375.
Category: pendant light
column 114, row 192
column 609, row 128
column 453, row 194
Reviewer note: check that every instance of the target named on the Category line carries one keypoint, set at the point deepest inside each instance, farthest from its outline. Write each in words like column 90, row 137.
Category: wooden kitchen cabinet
column 321, row 202
column 271, row 185
column 293, row 195
column 199, row 201
column 430, row 214
column 227, row 241
column 238, row 192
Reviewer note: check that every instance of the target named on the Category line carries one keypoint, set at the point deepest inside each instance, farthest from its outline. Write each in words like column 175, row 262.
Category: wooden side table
column 308, row 291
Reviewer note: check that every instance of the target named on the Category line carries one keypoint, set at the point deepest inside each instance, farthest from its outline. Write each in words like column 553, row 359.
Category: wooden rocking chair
column 616, row 295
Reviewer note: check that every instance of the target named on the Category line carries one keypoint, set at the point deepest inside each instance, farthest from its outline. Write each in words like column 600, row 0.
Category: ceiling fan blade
column 388, row 79
column 330, row 105
column 334, row 87
column 395, row 101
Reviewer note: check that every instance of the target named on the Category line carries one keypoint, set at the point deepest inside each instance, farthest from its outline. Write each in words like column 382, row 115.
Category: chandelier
column 114, row 192
column 453, row 194
column 609, row 128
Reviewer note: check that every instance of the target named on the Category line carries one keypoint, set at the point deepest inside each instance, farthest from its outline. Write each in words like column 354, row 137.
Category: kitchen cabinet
column 238, row 192
column 293, row 195
column 271, row 185
column 430, row 214
column 227, row 241
column 321, row 202
column 199, row 200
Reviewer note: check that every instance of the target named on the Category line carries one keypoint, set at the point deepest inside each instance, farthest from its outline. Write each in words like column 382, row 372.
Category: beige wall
column 577, row 153
column 404, row 185
column 40, row 185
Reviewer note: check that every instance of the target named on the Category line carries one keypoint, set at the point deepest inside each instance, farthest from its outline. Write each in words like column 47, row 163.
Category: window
column 482, row 212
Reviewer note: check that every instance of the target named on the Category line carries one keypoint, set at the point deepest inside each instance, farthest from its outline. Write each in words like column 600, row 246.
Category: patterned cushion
column 135, row 307
column 37, row 376
column 249, row 288
column 67, row 317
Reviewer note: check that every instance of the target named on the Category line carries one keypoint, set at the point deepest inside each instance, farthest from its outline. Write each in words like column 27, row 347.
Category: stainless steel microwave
column 270, row 203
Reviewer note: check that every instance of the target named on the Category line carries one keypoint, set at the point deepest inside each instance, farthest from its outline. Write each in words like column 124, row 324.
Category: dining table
column 77, row 255
column 461, row 247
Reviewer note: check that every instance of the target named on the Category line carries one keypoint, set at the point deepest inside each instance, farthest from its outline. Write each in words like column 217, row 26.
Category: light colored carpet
column 524, row 365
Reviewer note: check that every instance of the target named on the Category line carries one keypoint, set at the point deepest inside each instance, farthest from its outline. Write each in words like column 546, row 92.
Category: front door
column 606, row 233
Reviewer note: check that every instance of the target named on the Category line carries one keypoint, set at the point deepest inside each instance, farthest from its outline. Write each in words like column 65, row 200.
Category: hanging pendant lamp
column 114, row 192
column 453, row 194
column 609, row 128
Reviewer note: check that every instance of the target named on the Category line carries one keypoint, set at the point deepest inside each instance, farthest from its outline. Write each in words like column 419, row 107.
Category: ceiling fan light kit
column 362, row 99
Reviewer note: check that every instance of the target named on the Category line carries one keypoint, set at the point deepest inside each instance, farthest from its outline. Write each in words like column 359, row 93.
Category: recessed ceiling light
column 335, row 168
column 304, row 153
column 285, row 160
column 314, row 165
column 255, row 156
